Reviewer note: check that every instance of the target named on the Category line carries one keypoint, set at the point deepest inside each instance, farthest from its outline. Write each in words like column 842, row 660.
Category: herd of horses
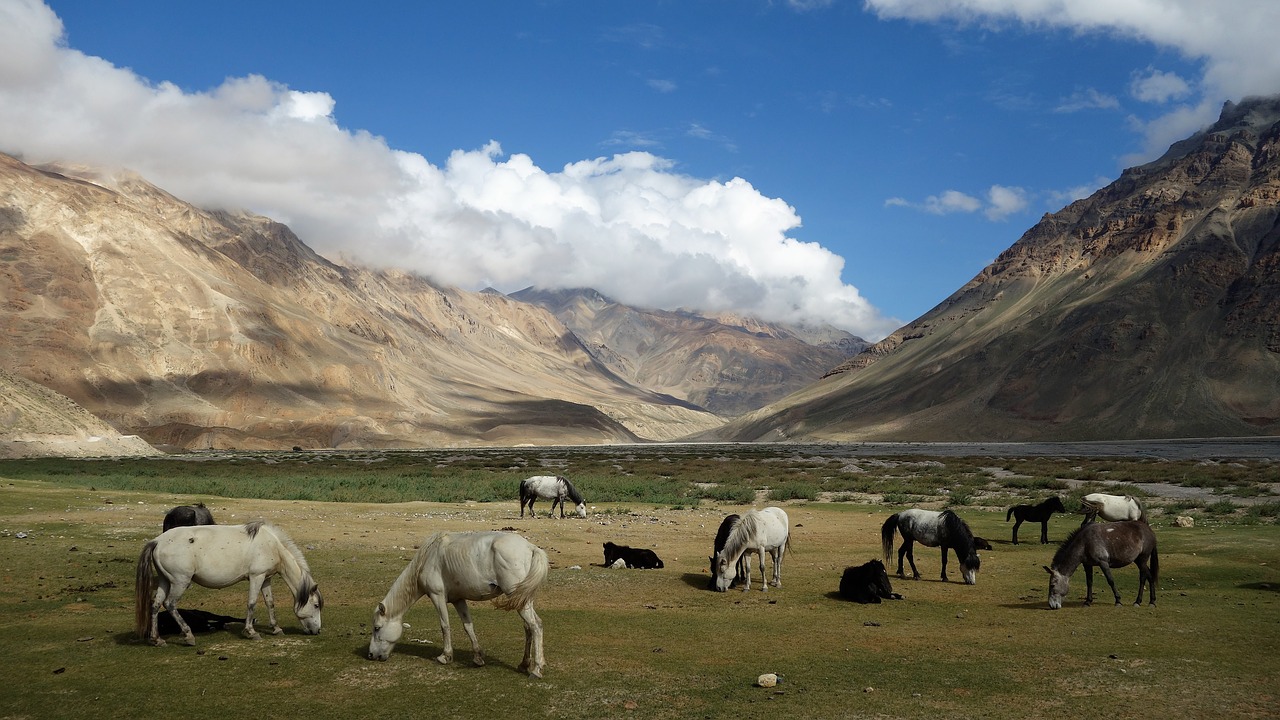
column 454, row 568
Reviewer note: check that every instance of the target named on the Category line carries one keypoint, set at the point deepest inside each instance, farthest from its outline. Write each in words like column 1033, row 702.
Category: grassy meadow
column 653, row 644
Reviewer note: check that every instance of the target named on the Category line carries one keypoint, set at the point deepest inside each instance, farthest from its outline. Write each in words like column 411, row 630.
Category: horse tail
column 886, row 535
column 144, row 589
column 522, row 594
column 1009, row 514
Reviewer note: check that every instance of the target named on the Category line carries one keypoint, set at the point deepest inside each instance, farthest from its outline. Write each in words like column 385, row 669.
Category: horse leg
column 270, row 601
column 1016, row 522
column 532, row 642
column 1044, row 532
column 944, row 562
column 1088, row 585
column 158, row 603
column 1106, row 571
column 777, row 567
column 255, row 588
column 176, row 590
column 764, row 579
column 1144, row 576
column 464, row 612
column 909, row 546
column 442, row 607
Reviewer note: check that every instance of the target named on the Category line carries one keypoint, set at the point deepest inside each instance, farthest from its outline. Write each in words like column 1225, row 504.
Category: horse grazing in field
column 218, row 556
column 1107, row 545
column 186, row 515
column 759, row 532
column 452, row 568
column 722, row 536
column 867, row 583
column 931, row 528
column 1112, row 508
column 555, row 488
column 1035, row 513
column 638, row 558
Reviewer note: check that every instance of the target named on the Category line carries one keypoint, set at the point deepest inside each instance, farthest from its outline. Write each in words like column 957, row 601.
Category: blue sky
column 846, row 162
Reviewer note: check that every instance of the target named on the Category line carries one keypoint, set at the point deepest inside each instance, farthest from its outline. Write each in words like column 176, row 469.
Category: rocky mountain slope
column 36, row 421
column 1150, row 309
column 198, row 329
column 727, row 364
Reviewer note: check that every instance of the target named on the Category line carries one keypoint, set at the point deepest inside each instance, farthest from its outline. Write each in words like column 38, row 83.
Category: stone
column 1184, row 521
column 767, row 680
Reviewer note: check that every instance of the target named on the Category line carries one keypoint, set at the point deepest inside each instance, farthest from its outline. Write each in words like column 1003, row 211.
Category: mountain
column 1150, row 309
column 36, row 421
column 728, row 364
column 211, row 329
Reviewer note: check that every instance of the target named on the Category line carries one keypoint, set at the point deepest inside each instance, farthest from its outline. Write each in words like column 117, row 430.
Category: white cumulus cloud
column 628, row 224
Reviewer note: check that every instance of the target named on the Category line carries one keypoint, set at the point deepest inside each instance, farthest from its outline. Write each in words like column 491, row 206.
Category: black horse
column 636, row 558
column 1035, row 513
column 182, row 515
column 722, row 537
column 867, row 583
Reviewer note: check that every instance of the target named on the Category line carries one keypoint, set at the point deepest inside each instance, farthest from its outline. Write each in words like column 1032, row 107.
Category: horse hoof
column 158, row 642
column 252, row 635
column 477, row 661
column 444, row 659
column 190, row 640
column 277, row 631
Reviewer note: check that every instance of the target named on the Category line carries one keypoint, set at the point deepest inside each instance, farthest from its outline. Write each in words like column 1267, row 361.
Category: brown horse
column 1107, row 545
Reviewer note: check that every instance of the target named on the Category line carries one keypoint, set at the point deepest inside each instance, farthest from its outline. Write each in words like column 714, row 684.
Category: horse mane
column 1142, row 508
column 404, row 591
column 574, row 495
column 1060, row 555
column 958, row 530
column 308, row 585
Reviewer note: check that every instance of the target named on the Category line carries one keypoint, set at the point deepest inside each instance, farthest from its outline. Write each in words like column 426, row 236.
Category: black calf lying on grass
column 638, row 558
column 867, row 583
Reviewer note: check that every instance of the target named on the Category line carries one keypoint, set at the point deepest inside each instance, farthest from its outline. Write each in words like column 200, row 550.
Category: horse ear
column 382, row 609
column 1047, row 569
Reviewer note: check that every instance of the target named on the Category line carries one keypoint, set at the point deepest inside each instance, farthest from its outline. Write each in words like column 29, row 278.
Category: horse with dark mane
column 1106, row 546
column 188, row 515
column 867, row 583
column 722, row 536
column 1035, row 513
column 636, row 558
column 759, row 532
column 931, row 528
column 555, row 488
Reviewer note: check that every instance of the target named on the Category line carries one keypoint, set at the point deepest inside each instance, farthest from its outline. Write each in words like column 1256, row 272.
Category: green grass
column 619, row 643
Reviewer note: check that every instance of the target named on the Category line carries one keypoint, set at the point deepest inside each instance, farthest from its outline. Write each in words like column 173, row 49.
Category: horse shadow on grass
column 1273, row 587
column 429, row 651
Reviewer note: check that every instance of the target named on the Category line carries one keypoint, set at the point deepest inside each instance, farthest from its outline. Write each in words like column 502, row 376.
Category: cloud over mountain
column 630, row 225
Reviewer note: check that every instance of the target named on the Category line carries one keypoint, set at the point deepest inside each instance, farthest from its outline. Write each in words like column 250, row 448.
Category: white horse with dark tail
column 555, row 488
column 760, row 532
column 218, row 556
column 452, row 568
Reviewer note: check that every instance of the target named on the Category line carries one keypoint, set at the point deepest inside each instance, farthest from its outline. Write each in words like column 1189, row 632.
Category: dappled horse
column 452, row 568
column 635, row 558
column 867, row 583
column 218, row 556
column 759, row 532
column 1108, row 545
column 722, row 536
column 555, row 488
column 187, row 515
column 931, row 528
column 1112, row 508
column 1039, row 512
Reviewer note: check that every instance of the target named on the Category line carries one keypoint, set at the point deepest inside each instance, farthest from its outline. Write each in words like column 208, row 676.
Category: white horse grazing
column 1112, row 508
column 555, row 488
column 218, row 556
column 452, row 568
column 759, row 531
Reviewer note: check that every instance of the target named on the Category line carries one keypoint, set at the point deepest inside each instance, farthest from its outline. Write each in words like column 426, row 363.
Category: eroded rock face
column 203, row 329
column 1150, row 309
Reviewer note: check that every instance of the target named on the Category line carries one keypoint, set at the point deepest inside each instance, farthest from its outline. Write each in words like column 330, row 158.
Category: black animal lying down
column 639, row 558
column 867, row 583
column 199, row 621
